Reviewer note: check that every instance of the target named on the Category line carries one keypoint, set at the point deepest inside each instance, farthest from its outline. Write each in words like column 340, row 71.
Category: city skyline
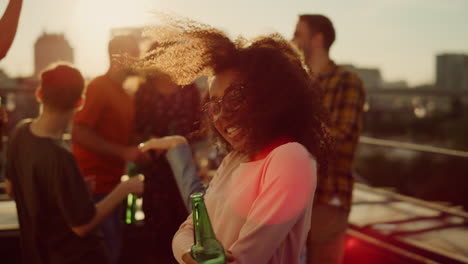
column 401, row 38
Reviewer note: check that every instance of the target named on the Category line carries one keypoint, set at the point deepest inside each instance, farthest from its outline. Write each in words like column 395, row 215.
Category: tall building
column 371, row 77
column 452, row 71
column 50, row 48
column 137, row 32
column 6, row 81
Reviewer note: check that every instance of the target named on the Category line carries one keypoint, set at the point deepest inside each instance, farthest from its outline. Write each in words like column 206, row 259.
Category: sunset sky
column 401, row 37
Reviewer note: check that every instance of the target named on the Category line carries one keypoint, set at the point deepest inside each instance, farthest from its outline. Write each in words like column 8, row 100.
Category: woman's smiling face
column 226, row 100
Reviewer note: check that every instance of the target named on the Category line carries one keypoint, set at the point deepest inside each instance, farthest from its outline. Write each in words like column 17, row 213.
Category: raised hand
column 163, row 143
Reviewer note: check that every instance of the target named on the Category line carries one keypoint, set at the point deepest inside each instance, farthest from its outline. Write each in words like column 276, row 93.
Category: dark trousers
column 325, row 244
column 112, row 229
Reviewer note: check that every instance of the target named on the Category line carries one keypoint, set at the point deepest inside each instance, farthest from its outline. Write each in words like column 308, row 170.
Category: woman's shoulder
column 291, row 150
column 291, row 154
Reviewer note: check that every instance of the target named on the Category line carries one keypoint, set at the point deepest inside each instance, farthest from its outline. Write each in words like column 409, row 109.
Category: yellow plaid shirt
column 344, row 99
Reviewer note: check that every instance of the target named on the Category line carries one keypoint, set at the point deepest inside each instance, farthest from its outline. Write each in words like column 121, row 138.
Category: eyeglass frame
column 220, row 103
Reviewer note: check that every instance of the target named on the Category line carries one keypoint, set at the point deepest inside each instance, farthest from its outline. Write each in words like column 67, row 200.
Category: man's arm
column 86, row 137
column 74, row 201
column 8, row 26
column 346, row 116
column 108, row 204
column 92, row 113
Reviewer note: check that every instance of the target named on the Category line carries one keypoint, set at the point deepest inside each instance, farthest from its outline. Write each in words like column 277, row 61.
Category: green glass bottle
column 131, row 202
column 206, row 248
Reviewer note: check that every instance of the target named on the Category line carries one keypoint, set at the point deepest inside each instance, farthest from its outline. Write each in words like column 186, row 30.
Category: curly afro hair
column 281, row 99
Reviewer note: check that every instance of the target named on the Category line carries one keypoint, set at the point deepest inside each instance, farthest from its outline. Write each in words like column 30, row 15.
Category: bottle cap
column 196, row 196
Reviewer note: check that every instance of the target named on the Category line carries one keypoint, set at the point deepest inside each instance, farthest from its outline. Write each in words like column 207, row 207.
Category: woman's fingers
column 163, row 143
column 229, row 256
column 154, row 143
column 188, row 259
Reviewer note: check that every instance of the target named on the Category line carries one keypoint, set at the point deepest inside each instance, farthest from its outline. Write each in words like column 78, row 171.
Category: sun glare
column 92, row 24
column 107, row 14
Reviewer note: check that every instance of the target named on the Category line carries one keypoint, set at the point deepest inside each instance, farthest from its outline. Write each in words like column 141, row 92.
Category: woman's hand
column 163, row 143
column 187, row 258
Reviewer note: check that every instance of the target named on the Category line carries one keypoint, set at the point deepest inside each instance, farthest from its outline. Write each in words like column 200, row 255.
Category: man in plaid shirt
column 344, row 98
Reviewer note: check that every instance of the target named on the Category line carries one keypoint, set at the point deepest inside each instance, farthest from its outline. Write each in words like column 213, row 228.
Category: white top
column 259, row 210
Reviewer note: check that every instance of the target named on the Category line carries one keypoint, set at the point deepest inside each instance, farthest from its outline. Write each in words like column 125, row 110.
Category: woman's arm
column 183, row 240
column 284, row 200
column 180, row 159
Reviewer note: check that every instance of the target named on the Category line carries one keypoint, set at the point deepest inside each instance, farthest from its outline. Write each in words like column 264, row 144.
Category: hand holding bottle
column 189, row 260
column 206, row 248
column 134, row 185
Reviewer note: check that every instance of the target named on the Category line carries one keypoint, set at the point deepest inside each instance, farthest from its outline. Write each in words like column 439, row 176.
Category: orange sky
column 401, row 37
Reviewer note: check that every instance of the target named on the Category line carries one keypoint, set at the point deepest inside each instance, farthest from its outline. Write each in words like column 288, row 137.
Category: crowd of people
column 287, row 117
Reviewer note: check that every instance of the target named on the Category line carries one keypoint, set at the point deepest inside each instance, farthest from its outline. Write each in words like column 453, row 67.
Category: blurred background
column 412, row 56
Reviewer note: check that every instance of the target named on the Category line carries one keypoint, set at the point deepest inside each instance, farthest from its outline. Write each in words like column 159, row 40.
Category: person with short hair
column 57, row 216
column 344, row 99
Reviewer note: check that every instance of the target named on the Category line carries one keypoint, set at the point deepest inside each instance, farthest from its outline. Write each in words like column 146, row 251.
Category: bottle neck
column 132, row 169
column 202, row 229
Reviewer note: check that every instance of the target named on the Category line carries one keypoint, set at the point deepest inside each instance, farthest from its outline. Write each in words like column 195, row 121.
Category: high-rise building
column 452, row 71
column 371, row 77
column 6, row 81
column 50, row 48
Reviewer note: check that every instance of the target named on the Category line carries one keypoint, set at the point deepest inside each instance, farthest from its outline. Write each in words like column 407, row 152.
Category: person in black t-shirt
column 57, row 216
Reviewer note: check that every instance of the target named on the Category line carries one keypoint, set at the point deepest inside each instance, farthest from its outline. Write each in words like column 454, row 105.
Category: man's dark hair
column 61, row 86
column 320, row 24
column 122, row 44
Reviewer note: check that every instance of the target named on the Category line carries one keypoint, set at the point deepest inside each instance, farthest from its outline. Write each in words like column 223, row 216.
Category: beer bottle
column 131, row 204
column 206, row 248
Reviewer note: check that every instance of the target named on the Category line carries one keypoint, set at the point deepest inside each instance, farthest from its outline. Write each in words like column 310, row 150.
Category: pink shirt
column 259, row 210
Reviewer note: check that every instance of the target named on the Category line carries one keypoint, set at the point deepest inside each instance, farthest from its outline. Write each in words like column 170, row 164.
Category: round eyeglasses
column 230, row 102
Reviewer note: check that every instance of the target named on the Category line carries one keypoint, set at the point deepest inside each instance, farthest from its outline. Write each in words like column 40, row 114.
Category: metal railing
column 412, row 146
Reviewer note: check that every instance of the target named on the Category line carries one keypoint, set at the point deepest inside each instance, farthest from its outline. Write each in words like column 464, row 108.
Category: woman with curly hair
column 266, row 111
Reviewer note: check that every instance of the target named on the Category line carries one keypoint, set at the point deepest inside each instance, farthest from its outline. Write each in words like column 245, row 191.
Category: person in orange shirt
column 102, row 130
